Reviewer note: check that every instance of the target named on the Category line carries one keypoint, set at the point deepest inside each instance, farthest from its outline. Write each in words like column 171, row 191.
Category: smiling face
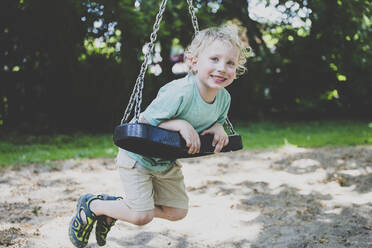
column 215, row 66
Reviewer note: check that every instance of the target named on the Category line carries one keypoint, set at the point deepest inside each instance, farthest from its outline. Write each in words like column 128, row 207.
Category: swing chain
column 150, row 50
column 136, row 96
column 194, row 20
column 229, row 126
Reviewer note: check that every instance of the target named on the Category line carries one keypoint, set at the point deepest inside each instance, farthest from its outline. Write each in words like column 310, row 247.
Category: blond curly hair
column 225, row 32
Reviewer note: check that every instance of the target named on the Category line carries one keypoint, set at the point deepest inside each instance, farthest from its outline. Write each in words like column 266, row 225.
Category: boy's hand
column 187, row 132
column 220, row 138
column 191, row 137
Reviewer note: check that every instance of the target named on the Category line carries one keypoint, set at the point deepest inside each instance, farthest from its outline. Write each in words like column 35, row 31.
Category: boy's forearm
column 174, row 125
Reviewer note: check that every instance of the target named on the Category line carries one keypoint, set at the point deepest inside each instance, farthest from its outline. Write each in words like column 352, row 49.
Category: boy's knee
column 143, row 218
column 177, row 214
column 180, row 215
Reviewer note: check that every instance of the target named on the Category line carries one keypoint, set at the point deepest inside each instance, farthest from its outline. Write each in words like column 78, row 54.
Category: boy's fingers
column 222, row 143
column 216, row 139
column 189, row 145
column 188, row 142
column 226, row 141
column 205, row 132
column 191, row 149
column 194, row 146
column 218, row 147
column 197, row 145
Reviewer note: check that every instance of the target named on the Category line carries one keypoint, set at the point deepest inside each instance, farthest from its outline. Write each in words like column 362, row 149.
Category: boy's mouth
column 219, row 79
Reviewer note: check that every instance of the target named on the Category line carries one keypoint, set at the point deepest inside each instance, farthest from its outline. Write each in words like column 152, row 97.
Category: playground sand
column 287, row 197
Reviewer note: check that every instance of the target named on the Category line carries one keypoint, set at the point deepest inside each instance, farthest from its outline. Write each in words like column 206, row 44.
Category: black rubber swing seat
column 152, row 141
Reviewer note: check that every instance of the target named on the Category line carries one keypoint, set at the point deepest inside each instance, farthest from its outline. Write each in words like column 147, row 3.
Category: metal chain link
column 194, row 20
column 151, row 45
column 136, row 96
column 229, row 126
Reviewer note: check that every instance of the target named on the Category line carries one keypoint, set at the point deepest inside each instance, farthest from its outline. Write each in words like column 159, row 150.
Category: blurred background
column 70, row 65
column 303, row 110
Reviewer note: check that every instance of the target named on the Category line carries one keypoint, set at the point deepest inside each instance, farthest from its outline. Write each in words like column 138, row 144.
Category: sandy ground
column 288, row 197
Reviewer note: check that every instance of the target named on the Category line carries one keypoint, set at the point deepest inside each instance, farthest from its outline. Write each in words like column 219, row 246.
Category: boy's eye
column 230, row 63
column 214, row 59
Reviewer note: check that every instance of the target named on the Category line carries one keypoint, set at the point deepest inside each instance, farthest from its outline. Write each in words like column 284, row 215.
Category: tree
column 71, row 65
column 322, row 71
column 37, row 58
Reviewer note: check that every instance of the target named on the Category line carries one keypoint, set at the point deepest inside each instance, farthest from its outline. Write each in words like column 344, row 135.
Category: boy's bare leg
column 119, row 210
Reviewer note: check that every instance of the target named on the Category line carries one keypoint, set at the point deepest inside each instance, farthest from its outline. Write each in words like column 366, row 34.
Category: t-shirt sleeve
column 226, row 99
column 164, row 107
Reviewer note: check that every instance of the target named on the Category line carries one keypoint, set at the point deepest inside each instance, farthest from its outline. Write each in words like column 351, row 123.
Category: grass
column 43, row 149
column 305, row 134
column 22, row 150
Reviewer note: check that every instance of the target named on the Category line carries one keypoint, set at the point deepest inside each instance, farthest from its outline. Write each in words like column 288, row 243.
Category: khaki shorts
column 144, row 188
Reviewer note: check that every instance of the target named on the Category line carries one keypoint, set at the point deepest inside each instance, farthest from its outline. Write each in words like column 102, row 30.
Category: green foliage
column 331, row 58
column 71, row 65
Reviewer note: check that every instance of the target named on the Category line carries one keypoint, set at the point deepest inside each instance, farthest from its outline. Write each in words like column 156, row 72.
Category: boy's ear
column 193, row 62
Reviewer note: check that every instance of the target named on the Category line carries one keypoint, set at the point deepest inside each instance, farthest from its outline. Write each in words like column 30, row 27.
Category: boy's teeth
column 218, row 77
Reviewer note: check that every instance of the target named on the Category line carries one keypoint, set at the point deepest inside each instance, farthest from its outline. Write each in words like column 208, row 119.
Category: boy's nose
column 221, row 67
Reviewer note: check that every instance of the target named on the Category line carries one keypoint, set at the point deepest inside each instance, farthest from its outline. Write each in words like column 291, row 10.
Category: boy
column 196, row 103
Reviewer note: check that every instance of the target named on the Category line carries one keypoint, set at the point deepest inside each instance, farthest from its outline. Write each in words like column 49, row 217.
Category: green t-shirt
column 180, row 99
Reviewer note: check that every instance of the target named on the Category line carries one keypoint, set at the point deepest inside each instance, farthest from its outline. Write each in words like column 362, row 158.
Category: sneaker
column 103, row 226
column 78, row 231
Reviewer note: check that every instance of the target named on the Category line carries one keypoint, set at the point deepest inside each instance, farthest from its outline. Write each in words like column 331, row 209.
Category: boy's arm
column 187, row 132
column 220, row 137
column 184, row 128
